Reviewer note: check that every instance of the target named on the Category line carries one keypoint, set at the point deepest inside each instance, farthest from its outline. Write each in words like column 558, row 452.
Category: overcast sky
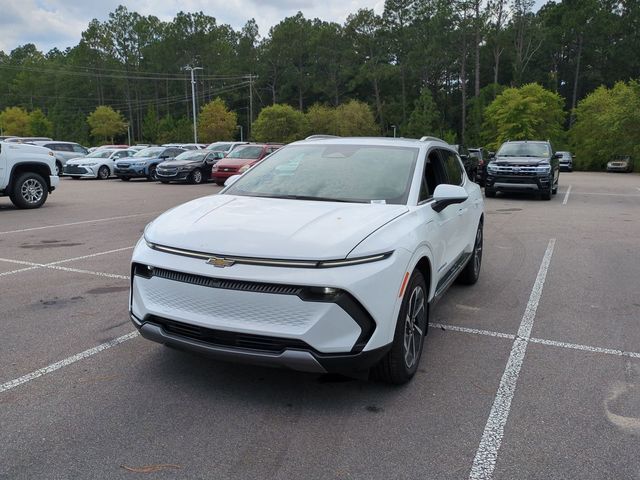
column 59, row 23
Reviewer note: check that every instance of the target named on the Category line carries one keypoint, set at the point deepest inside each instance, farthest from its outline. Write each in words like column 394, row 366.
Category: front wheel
column 104, row 172
column 153, row 175
column 195, row 177
column 471, row 271
column 29, row 191
column 400, row 364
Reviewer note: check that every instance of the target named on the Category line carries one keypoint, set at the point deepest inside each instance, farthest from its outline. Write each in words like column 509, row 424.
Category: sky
column 59, row 23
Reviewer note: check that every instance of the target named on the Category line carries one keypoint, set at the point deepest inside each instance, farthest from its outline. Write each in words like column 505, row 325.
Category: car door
column 463, row 223
column 438, row 228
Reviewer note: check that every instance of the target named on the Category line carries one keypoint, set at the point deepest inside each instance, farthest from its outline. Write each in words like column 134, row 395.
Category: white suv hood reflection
column 269, row 227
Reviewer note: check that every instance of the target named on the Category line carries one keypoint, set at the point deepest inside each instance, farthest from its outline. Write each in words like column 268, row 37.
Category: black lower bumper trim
column 301, row 359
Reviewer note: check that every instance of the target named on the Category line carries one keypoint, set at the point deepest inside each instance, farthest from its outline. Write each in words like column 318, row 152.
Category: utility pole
column 250, row 122
column 193, row 99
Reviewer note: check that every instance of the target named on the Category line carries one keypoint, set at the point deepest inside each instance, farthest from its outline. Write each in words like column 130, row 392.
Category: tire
column 400, row 364
column 125, row 179
column 29, row 191
column 489, row 192
column 164, row 181
column 103, row 173
column 220, row 183
column 58, row 168
column 153, row 176
column 546, row 194
column 75, row 178
column 471, row 271
column 195, row 177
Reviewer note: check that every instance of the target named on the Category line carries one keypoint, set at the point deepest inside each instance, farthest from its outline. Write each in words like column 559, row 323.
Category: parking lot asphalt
column 534, row 372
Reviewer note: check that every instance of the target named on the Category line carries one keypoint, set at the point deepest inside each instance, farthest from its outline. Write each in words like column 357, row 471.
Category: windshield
column 149, row 152
column 246, row 152
column 100, row 154
column 219, row 147
column 348, row 173
column 524, row 150
column 193, row 155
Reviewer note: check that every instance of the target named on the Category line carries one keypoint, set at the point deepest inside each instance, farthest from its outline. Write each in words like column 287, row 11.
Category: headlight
column 244, row 168
column 88, row 164
column 543, row 169
column 184, row 168
column 492, row 168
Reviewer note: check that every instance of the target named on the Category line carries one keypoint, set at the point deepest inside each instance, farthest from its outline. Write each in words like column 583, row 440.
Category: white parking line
column 56, row 265
column 67, row 361
column 487, row 454
column 109, row 219
column 472, row 330
column 609, row 194
column 566, row 195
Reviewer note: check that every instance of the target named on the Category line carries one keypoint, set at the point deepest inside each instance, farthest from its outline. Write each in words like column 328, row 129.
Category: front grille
column 516, row 171
column 227, row 169
column 226, row 338
column 74, row 169
column 224, row 284
column 123, row 165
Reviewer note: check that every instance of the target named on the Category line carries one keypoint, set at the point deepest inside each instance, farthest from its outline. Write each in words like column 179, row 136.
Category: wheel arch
column 40, row 168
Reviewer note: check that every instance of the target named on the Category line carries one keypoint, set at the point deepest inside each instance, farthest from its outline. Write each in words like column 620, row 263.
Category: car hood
column 521, row 160
column 235, row 162
column 179, row 163
column 269, row 227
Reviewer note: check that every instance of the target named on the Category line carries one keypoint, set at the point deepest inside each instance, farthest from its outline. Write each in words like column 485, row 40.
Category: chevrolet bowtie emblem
column 220, row 262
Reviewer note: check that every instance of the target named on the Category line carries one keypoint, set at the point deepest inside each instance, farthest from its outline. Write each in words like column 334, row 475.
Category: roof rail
column 431, row 139
column 320, row 137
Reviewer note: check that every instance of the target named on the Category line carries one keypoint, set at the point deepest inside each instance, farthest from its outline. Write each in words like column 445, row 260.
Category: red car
column 241, row 159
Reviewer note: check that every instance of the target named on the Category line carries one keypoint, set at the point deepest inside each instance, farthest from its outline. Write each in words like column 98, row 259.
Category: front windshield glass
column 348, row 173
column 192, row 155
column 219, row 147
column 100, row 154
column 524, row 150
column 149, row 152
column 246, row 152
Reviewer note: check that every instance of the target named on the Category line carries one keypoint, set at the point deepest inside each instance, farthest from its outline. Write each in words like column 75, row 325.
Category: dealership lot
column 534, row 371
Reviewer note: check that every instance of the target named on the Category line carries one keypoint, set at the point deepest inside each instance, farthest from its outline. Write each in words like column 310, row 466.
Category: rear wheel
column 400, row 364
column 104, row 172
column 471, row 271
column 29, row 191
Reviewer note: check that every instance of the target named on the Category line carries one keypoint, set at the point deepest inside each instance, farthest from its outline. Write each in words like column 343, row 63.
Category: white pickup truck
column 27, row 174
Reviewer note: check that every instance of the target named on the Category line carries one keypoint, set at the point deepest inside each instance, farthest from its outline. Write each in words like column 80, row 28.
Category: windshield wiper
column 319, row 199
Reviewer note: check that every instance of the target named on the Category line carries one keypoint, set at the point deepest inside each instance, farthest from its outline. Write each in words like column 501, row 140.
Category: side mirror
column 557, row 155
column 492, row 154
column 445, row 195
column 231, row 180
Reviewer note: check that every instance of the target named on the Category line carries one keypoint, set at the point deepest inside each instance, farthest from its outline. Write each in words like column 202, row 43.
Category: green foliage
column 354, row 119
column 280, row 123
column 476, row 115
column 216, row 122
column 15, row 121
column 526, row 113
column 178, row 130
column 607, row 124
column 39, row 124
column 322, row 120
column 150, row 125
column 424, row 118
column 106, row 123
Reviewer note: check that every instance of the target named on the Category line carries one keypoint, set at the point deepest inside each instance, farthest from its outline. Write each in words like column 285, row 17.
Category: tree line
column 420, row 64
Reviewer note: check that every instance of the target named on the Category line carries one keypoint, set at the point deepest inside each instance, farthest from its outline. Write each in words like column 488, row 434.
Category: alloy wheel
column 414, row 326
column 32, row 191
column 477, row 251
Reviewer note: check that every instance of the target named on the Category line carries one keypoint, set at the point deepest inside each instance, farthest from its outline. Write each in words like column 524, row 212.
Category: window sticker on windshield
column 379, row 202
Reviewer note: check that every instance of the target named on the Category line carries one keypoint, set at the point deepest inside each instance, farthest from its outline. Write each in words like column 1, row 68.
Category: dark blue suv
column 144, row 163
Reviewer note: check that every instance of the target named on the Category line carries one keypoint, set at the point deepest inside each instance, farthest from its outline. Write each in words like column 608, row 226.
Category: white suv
column 324, row 257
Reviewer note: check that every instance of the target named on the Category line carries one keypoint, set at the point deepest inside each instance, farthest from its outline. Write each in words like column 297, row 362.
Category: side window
column 433, row 175
column 64, row 147
column 453, row 168
column 79, row 149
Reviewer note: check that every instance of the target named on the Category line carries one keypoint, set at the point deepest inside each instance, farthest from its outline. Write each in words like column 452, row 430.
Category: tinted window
column 78, row 149
column 453, row 168
column 524, row 149
column 246, row 152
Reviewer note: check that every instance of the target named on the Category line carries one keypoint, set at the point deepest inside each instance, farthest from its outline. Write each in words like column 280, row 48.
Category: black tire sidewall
column 16, row 195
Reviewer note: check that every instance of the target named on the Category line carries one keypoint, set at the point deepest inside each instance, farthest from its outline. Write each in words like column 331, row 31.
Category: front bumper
column 517, row 183
column 80, row 171
column 172, row 175
column 54, row 180
column 618, row 168
column 131, row 171
column 222, row 175
column 185, row 295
